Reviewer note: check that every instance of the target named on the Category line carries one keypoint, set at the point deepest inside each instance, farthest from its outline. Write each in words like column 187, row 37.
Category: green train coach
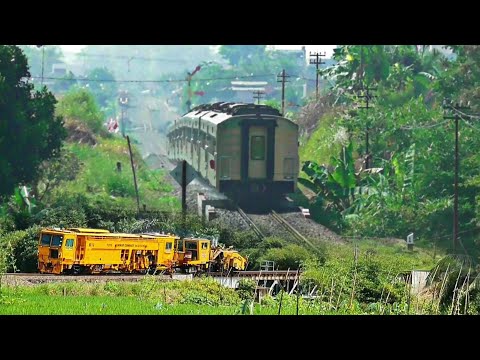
column 242, row 150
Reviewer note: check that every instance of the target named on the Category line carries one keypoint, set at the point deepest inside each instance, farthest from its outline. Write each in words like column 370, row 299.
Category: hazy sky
column 327, row 48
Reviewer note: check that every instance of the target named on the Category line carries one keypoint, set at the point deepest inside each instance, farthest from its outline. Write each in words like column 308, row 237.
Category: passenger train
column 242, row 150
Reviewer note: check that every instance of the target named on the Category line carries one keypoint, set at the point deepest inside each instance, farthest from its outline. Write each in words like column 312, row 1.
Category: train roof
column 219, row 112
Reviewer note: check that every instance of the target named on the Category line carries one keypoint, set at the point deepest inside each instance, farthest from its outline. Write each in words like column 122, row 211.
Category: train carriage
column 94, row 251
column 240, row 149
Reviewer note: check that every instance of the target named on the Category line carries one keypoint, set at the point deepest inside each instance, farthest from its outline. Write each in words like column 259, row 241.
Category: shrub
column 120, row 185
column 290, row 256
column 20, row 250
column 246, row 289
column 79, row 104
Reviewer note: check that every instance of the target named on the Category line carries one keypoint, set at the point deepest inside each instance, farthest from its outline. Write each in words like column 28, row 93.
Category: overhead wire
column 428, row 126
column 156, row 81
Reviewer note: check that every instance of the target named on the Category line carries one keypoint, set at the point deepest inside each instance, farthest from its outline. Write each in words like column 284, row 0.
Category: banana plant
column 337, row 186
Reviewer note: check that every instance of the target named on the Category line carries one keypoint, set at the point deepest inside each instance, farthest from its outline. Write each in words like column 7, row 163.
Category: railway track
column 250, row 222
column 36, row 278
column 290, row 228
column 279, row 219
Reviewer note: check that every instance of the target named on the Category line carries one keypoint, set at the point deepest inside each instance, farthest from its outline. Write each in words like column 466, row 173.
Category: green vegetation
column 410, row 147
column 406, row 188
column 80, row 105
column 28, row 122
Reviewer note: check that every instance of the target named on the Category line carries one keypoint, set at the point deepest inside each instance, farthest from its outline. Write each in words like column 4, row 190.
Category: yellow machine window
column 257, row 148
column 57, row 240
column 191, row 245
column 168, row 246
column 46, row 239
column 179, row 245
column 204, row 246
column 69, row 243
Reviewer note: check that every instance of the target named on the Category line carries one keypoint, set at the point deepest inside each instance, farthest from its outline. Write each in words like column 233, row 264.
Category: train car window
column 204, row 245
column 69, row 243
column 46, row 239
column 257, row 148
column 168, row 246
column 57, row 240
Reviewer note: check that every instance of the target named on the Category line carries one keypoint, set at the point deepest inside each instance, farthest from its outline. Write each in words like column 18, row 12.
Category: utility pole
column 123, row 101
column 316, row 61
column 282, row 78
column 128, row 62
column 184, row 191
column 43, row 60
column 257, row 94
column 456, row 117
column 189, row 80
column 134, row 175
column 189, row 101
column 298, row 286
column 368, row 97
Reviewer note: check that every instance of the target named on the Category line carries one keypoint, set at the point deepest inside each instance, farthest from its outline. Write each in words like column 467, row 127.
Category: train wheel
column 76, row 270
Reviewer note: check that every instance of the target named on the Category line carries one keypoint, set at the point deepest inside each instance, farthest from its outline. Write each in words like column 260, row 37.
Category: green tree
column 29, row 131
column 102, row 86
column 236, row 53
column 80, row 105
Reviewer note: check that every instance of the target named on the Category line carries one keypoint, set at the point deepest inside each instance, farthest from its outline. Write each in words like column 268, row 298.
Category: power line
column 429, row 126
column 156, row 81
column 470, row 125
column 123, row 57
column 465, row 114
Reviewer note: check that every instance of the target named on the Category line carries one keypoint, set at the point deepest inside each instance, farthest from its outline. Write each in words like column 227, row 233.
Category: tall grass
column 99, row 179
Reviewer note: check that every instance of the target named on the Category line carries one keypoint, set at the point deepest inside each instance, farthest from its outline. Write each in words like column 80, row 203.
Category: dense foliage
column 29, row 130
column 409, row 186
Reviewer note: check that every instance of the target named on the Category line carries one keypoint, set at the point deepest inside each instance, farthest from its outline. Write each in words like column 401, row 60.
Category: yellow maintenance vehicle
column 94, row 251
column 225, row 259
column 198, row 255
